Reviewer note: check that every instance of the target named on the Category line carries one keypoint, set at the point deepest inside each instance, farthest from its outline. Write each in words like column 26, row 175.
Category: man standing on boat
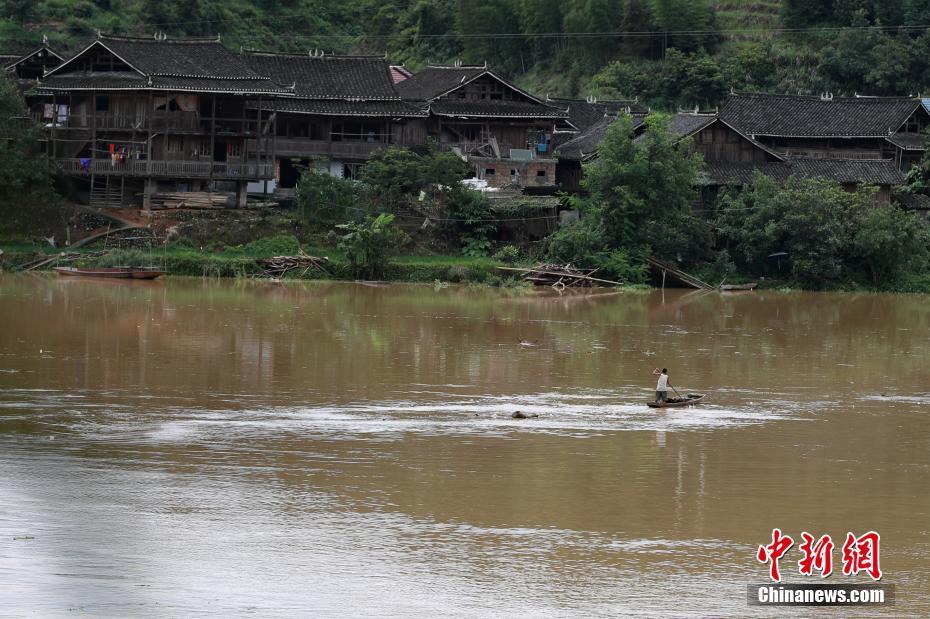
column 662, row 385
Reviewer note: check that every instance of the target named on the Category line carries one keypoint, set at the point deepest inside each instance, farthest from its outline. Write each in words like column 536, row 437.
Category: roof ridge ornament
column 826, row 96
column 457, row 63
column 591, row 99
column 44, row 39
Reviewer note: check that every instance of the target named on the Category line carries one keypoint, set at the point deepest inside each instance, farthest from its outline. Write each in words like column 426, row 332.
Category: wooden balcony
column 169, row 169
column 158, row 122
column 305, row 147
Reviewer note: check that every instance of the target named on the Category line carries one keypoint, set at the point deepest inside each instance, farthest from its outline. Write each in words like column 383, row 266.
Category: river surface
column 226, row 448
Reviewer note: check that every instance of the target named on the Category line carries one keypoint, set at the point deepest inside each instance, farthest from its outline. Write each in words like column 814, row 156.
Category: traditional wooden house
column 28, row 67
column 590, row 117
column 138, row 116
column 731, row 158
column 343, row 109
column 503, row 131
column 828, row 127
column 583, row 113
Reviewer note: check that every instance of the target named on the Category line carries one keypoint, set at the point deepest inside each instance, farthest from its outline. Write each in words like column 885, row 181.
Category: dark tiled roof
column 583, row 112
column 434, row 81
column 11, row 61
column 683, row 125
column 181, row 64
column 907, row 140
column 584, row 146
column 806, row 116
column 514, row 109
column 327, row 77
column 859, row 171
column 124, row 81
column 867, row 171
column 332, row 107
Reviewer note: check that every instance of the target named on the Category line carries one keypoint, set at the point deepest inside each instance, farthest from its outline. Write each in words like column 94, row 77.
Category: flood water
column 188, row 448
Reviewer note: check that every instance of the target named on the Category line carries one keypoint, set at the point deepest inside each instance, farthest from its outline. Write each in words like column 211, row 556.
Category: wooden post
column 212, row 133
column 93, row 126
column 663, row 279
column 243, row 130
column 274, row 137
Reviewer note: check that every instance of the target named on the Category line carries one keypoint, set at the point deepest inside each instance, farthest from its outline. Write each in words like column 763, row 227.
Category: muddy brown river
column 226, row 448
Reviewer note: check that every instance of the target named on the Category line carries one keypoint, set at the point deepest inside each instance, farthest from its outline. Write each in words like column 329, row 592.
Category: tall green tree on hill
column 490, row 17
column 678, row 17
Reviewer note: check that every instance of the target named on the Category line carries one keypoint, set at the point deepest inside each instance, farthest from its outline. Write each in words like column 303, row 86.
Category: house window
column 174, row 145
column 540, row 173
column 351, row 170
column 490, row 171
column 233, row 150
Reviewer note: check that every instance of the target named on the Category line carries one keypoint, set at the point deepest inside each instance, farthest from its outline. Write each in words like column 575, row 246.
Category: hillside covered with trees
column 669, row 53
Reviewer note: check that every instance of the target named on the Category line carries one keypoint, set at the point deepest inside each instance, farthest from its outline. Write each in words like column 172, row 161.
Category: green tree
column 831, row 235
column 27, row 200
column 691, row 24
column 888, row 242
column 805, row 13
column 495, row 17
column 396, row 174
column 641, row 193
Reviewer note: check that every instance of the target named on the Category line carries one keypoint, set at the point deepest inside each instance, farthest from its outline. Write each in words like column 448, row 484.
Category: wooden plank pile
column 192, row 199
column 559, row 276
column 278, row 266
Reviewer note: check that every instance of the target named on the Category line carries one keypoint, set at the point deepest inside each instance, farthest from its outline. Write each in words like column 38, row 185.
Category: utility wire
column 273, row 20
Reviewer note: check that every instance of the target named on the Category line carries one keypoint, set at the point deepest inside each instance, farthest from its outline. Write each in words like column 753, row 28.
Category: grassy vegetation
column 183, row 259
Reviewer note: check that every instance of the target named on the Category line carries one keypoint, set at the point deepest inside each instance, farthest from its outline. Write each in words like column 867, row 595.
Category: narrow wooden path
column 667, row 267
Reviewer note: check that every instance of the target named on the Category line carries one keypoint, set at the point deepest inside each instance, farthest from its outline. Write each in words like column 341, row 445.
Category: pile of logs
column 559, row 276
column 278, row 266
column 192, row 199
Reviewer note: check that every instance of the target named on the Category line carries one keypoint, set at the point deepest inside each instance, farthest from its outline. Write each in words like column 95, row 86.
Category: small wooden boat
column 730, row 287
column 689, row 400
column 113, row 272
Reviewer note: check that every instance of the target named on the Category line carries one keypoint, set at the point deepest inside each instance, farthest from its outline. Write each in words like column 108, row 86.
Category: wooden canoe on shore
column 113, row 272
column 689, row 400
column 734, row 287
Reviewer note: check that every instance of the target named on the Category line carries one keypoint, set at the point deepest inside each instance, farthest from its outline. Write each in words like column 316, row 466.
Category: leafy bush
column 126, row 257
column 472, row 219
column 324, row 200
column 457, row 273
column 888, row 243
column 508, row 254
column 575, row 242
column 622, row 266
column 369, row 244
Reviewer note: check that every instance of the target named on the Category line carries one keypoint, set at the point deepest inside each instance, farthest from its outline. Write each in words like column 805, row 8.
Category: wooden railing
column 173, row 169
